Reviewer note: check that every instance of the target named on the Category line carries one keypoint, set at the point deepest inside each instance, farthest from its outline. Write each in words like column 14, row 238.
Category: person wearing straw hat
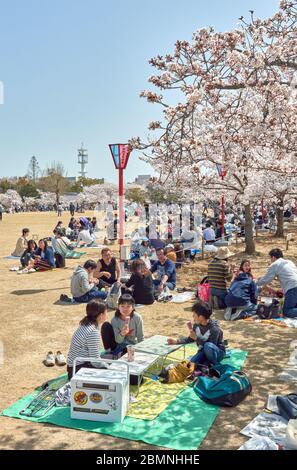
column 170, row 252
column 219, row 273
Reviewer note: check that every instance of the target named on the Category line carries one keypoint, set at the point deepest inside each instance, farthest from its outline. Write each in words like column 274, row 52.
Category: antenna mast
column 82, row 161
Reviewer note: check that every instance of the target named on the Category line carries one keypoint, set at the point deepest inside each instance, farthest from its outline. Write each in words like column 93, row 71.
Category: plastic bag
column 259, row 443
column 291, row 435
column 183, row 297
column 267, row 425
column 63, row 395
column 113, row 296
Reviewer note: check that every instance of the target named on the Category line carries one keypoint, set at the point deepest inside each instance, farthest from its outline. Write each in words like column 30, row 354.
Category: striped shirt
column 218, row 274
column 85, row 343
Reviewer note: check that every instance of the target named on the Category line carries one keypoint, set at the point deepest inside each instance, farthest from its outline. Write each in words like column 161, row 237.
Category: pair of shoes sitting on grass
column 54, row 359
column 26, row 271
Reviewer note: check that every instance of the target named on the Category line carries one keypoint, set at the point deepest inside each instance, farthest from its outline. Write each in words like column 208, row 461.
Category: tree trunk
column 280, row 222
column 250, row 247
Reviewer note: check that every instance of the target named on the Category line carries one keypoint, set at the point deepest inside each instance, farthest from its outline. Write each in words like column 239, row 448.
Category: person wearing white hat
column 219, row 273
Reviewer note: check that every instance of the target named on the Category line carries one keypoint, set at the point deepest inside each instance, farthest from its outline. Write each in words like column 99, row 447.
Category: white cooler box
column 100, row 394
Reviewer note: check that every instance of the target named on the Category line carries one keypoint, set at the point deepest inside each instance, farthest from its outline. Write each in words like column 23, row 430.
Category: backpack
column 227, row 386
column 268, row 311
column 177, row 373
column 113, row 296
column 59, row 260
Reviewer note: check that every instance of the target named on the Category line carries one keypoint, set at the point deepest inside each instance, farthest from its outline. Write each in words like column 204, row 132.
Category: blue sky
column 72, row 71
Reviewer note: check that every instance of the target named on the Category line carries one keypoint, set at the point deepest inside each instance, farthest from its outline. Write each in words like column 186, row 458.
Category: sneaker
column 49, row 360
column 60, row 359
column 32, row 270
column 107, row 355
column 14, row 268
column 227, row 314
column 65, row 298
column 132, row 398
column 23, row 271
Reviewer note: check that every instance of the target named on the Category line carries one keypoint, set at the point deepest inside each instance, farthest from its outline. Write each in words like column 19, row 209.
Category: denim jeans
column 120, row 348
column 92, row 294
column 249, row 310
column 109, row 342
column 92, row 244
column 290, row 305
column 25, row 260
column 221, row 294
column 210, row 354
column 170, row 286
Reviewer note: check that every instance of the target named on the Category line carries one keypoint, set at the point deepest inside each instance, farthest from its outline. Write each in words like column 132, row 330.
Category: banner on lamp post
column 222, row 171
column 120, row 154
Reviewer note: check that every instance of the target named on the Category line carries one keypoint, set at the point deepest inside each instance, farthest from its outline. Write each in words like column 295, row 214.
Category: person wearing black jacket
column 108, row 268
column 142, row 282
column 207, row 334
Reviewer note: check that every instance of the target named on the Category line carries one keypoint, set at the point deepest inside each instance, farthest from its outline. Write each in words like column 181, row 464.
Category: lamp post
column 120, row 154
column 222, row 173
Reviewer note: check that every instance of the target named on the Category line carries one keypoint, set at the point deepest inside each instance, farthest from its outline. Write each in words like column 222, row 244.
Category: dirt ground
column 33, row 322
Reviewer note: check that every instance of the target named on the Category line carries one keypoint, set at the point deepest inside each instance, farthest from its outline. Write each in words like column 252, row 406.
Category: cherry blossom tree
column 238, row 108
column 280, row 190
column 102, row 193
column 11, row 200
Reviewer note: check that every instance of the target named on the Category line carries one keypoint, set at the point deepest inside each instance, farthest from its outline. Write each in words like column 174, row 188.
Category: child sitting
column 207, row 334
column 126, row 327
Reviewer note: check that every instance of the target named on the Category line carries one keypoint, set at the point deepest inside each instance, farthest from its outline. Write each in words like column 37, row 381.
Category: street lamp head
column 222, row 171
column 120, row 154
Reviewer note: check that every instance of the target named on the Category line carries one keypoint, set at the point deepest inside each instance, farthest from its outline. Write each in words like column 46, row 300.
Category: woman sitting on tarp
column 60, row 227
column 135, row 244
column 84, row 237
column 126, row 328
column 21, row 244
column 63, row 247
column 86, row 339
column 145, row 248
column 72, row 230
column 142, row 283
column 241, row 299
column 44, row 258
column 28, row 254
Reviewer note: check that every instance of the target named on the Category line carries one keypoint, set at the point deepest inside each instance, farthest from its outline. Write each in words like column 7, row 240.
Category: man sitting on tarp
column 218, row 274
column 165, row 272
column 286, row 272
column 84, row 287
